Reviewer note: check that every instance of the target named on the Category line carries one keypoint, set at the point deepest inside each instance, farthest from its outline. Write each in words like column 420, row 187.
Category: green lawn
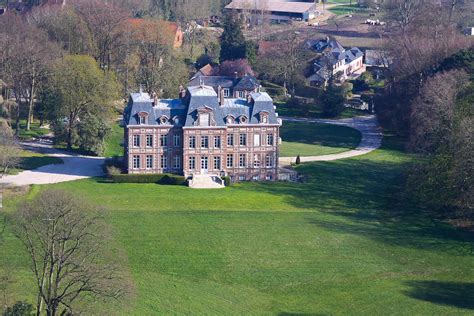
column 35, row 131
column 114, row 142
column 342, row 243
column 347, row 9
column 309, row 139
column 285, row 110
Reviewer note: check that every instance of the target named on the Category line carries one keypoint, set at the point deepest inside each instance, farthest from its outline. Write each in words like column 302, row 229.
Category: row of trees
column 76, row 93
column 428, row 98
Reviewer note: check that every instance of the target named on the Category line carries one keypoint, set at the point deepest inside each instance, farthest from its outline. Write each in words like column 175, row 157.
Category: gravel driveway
column 75, row 167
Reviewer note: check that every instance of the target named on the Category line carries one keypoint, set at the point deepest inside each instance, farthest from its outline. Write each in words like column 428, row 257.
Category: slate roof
column 245, row 83
column 273, row 6
column 199, row 97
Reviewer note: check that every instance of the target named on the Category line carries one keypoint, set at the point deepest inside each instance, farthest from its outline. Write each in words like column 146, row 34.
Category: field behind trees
column 343, row 240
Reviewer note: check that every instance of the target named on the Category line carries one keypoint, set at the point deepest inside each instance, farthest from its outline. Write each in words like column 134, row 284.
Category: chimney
column 221, row 96
column 155, row 98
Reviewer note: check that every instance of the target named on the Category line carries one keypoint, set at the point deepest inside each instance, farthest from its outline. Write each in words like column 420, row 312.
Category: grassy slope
column 30, row 160
column 341, row 242
column 35, row 131
column 308, row 139
column 114, row 142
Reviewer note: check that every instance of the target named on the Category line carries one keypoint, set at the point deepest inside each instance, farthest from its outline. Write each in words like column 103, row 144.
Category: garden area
column 310, row 139
column 345, row 238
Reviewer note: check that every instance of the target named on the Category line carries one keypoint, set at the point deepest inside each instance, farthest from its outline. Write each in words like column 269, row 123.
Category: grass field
column 342, row 243
column 309, row 139
column 346, row 9
column 34, row 132
column 114, row 142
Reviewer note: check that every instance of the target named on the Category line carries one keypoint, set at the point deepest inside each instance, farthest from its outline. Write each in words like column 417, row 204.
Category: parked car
column 357, row 103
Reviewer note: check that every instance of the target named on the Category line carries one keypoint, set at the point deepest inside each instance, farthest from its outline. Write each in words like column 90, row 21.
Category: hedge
column 163, row 178
column 227, row 181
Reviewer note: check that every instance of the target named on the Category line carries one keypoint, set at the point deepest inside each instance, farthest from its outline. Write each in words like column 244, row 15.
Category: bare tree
column 433, row 111
column 25, row 56
column 9, row 150
column 66, row 239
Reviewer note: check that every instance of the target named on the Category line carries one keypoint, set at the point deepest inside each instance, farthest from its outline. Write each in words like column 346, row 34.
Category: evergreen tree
column 333, row 100
column 233, row 44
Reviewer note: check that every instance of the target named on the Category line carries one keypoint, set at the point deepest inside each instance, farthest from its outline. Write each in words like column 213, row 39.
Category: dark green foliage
column 163, row 178
column 463, row 59
column 333, row 101
column 233, row 45
column 19, row 309
column 251, row 50
column 227, row 181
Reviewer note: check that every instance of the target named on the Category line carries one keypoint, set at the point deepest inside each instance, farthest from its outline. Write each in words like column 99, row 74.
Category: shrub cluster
column 167, row 179
column 227, row 181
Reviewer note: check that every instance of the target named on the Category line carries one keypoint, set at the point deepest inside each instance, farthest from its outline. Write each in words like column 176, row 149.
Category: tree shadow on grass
column 363, row 197
column 457, row 294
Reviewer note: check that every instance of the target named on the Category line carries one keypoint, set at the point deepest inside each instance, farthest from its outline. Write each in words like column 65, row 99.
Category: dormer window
column 226, row 93
column 143, row 118
column 263, row 117
column 230, row 119
column 163, row 119
column 243, row 119
column 176, row 120
column 205, row 117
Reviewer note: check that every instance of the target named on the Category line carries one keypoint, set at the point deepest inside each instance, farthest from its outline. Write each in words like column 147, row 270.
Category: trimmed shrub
column 227, row 181
column 167, row 179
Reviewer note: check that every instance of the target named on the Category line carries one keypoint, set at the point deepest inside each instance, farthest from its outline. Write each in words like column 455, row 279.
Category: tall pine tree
column 232, row 40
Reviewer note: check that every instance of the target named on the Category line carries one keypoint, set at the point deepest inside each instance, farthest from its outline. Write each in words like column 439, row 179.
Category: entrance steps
column 206, row 181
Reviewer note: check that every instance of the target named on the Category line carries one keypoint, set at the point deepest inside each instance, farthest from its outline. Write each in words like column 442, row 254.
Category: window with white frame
column 243, row 139
column 256, row 161
column 136, row 140
column 230, row 161
column 204, row 119
column 241, row 178
column 192, row 163
column 136, row 162
column 204, row 141
column 268, row 177
column 177, row 162
column 256, row 140
column 149, row 140
column 230, row 139
column 226, row 92
column 163, row 162
column 242, row 160
column 149, row 162
column 268, row 160
column 143, row 119
column 217, row 163
column 192, row 141
column 177, row 140
column 256, row 177
column 270, row 139
column 241, row 94
column 163, row 140
column 217, row 142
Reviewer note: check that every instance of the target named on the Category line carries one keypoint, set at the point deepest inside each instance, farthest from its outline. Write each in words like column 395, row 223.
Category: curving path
column 74, row 167
column 367, row 125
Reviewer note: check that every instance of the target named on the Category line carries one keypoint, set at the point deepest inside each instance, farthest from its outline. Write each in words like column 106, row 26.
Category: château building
column 203, row 133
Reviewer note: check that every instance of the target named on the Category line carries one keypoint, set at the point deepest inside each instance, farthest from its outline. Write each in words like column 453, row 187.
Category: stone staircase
column 206, row 182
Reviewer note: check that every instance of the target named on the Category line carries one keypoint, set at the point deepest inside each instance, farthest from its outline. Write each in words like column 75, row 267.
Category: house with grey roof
column 277, row 11
column 334, row 61
column 232, row 87
column 202, row 133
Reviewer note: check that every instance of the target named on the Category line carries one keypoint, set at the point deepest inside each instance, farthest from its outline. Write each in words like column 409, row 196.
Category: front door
column 204, row 165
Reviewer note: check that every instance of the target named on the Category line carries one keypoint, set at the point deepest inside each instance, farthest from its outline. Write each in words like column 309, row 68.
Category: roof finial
column 201, row 82
column 141, row 88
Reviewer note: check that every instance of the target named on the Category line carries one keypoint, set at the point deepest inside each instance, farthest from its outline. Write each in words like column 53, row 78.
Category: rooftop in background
column 272, row 5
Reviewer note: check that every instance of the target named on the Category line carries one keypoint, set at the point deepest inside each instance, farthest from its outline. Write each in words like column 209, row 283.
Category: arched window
column 230, row 119
column 142, row 118
column 163, row 119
